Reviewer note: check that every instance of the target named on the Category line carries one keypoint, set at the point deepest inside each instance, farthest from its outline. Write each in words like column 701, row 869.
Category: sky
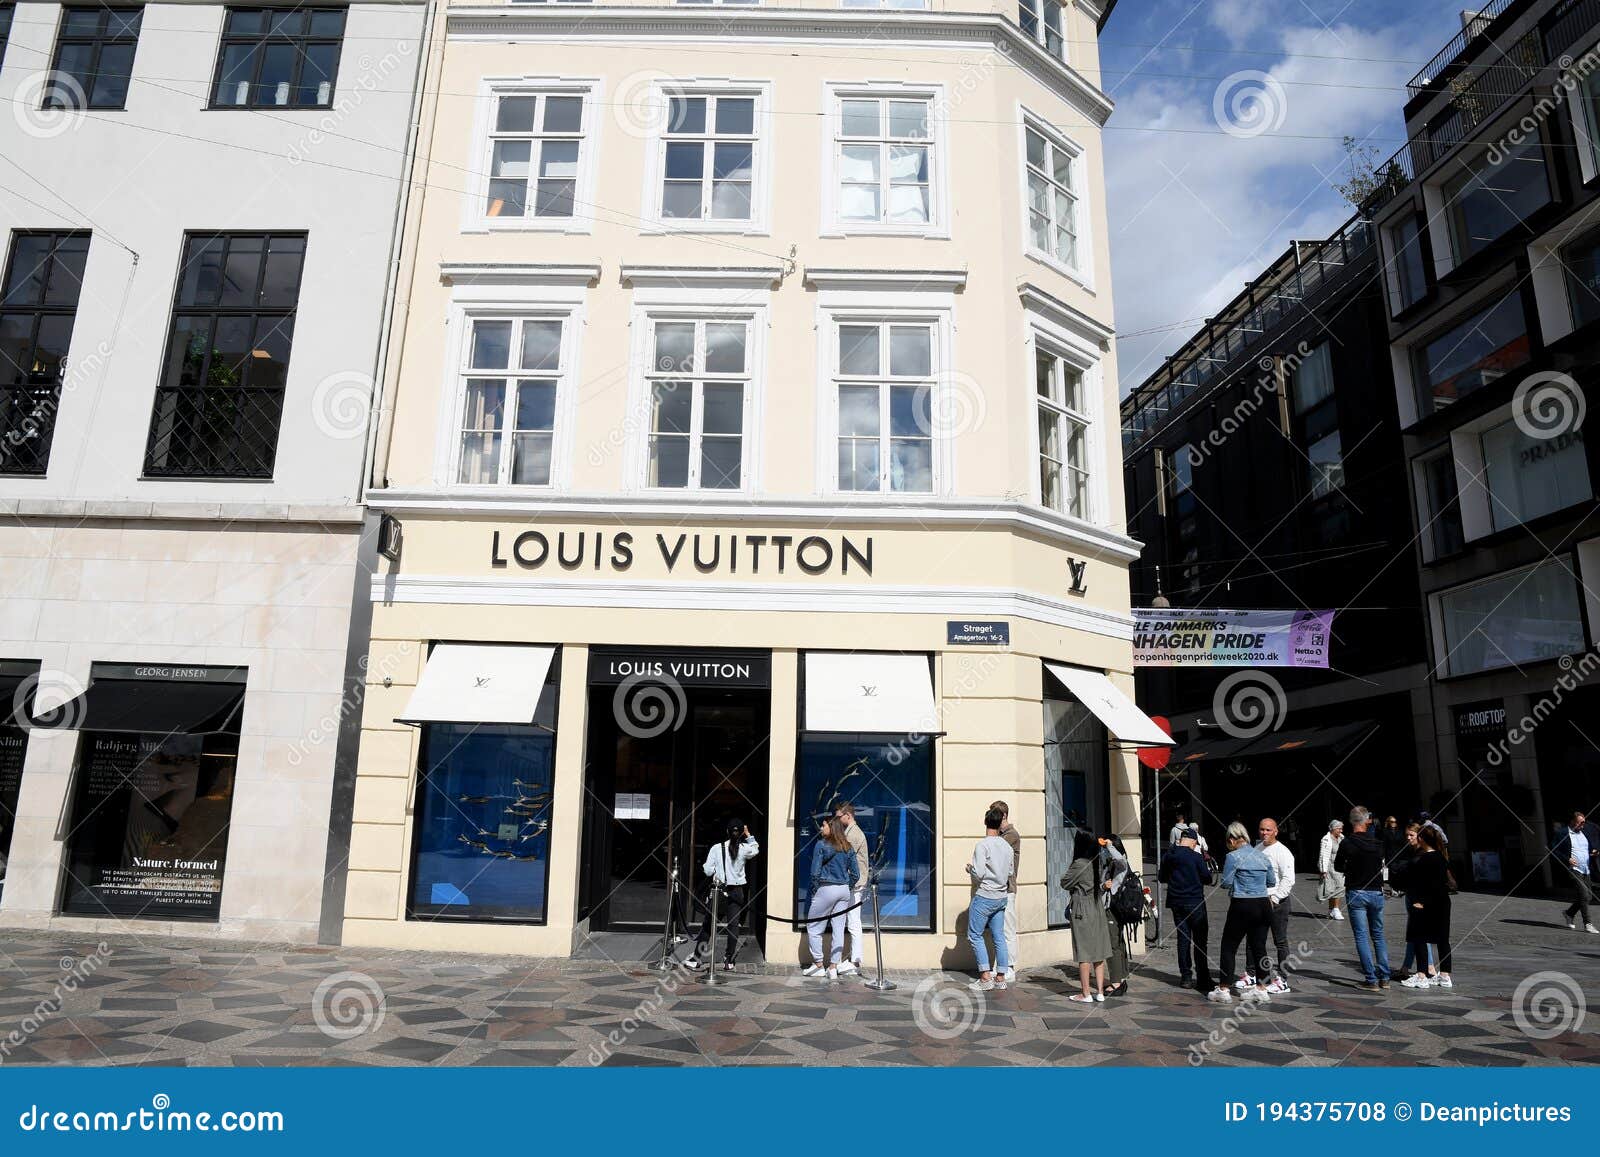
column 1196, row 211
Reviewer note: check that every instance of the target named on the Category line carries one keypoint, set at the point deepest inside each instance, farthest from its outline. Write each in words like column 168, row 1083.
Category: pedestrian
column 1179, row 826
column 845, row 814
column 1114, row 867
column 1248, row 875
column 1009, row 833
column 1360, row 861
column 1575, row 850
column 1399, row 868
column 1091, row 931
column 1428, row 884
column 1330, row 883
column 991, row 869
column 1280, row 896
column 1183, row 870
column 1427, row 822
column 1393, row 839
column 725, row 865
column 833, row 881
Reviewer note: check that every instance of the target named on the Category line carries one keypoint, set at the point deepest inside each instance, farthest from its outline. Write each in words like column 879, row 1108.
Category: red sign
column 1157, row 757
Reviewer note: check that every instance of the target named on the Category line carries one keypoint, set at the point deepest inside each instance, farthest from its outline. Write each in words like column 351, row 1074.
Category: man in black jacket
column 1360, row 858
column 1184, row 872
column 1576, row 848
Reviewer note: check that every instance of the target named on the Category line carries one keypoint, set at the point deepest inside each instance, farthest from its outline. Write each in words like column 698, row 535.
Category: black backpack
column 1127, row 902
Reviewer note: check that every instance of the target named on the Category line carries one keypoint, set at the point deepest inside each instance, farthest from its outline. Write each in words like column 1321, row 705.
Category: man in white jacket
column 845, row 813
column 1281, row 895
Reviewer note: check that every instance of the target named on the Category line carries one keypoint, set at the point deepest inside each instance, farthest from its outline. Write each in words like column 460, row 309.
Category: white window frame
column 707, row 302
column 1054, row 333
column 696, row 380
column 1081, row 269
column 1443, row 650
column 760, row 222
column 1039, row 38
column 847, row 307
column 1477, row 500
column 1065, row 419
column 472, row 303
column 475, row 217
column 938, row 223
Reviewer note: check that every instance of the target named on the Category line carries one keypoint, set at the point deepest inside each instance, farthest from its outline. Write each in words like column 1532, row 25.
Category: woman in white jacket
column 1330, row 884
column 725, row 865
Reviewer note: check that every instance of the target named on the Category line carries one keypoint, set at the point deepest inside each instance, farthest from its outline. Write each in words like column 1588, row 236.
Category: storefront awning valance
column 1122, row 717
column 868, row 692
column 151, row 706
column 1307, row 739
column 17, row 683
column 480, row 683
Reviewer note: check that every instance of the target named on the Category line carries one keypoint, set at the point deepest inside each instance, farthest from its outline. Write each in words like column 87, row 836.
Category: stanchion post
column 711, row 951
column 668, row 960
column 879, row 984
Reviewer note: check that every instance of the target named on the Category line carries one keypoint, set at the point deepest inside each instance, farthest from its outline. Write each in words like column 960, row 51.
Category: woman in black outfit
column 1427, row 889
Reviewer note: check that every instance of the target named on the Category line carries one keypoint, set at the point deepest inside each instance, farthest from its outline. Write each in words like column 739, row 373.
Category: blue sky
column 1196, row 212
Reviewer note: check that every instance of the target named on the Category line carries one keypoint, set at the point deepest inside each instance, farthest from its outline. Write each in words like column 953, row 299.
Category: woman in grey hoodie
column 990, row 869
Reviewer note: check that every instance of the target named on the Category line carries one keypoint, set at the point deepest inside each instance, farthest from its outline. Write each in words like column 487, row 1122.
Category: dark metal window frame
column 7, row 11
column 216, row 312
column 259, row 41
column 82, row 88
column 37, row 397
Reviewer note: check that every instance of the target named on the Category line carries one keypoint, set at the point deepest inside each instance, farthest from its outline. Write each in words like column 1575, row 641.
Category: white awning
column 890, row 694
column 480, row 683
column 1120, row 714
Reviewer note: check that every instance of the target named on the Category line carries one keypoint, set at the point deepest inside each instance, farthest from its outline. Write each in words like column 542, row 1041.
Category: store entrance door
column 669, row 766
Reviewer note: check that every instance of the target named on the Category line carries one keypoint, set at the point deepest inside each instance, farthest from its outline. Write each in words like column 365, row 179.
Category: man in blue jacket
column 1184, row 872
column 1576, row 848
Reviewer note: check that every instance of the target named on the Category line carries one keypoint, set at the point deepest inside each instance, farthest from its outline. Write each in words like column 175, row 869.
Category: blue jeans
column 1366, row 918
column 988, row 914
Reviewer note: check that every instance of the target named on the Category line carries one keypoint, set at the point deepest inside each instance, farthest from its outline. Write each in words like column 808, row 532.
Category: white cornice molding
column 730, row 276
column 1064, row 315
column 516, row 273
column 179, row 510
column 1095, row 541
column 692, row 595
column 870, row 26
column 943, row 280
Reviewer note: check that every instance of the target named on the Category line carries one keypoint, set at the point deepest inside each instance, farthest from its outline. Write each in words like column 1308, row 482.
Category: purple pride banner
column 1168, row 637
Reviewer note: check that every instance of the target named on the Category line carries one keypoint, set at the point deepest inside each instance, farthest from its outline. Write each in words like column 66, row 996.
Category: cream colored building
column 750, row 423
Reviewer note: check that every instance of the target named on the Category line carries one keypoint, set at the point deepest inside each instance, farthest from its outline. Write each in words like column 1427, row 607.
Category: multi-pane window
column 885, row 392
column 1325, row 465
column 278, row 57
column 1311, row 383
column 220, row 398
column 1042, row 20
column 38, row 302
column 533, row 155
column 709, row 167
column 1063, row 435
column 1494, row 194
column 94, row 58
column 883, row 158
column 1581, row 263
column 1444, row 530
column 1471, row 354
column 1410, row 268
column 1052, row 203
column 511, row 378
column 699, row 384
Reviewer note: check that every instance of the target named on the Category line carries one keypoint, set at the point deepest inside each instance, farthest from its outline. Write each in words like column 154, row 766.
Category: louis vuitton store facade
column 559, row 712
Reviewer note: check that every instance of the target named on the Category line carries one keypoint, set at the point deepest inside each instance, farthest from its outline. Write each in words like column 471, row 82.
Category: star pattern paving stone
column 155, row 1001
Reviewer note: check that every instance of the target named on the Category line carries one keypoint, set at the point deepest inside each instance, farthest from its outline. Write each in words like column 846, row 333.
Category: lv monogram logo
column 868, row 692
column 1077, row 570
column 480, row 680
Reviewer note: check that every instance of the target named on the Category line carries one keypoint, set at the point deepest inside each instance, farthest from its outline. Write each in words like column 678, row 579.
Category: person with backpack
column 1091, row 930
column 1249, row 876
column 1124, row 905
column 725, row 865
column 991, row 868
column 833, row 878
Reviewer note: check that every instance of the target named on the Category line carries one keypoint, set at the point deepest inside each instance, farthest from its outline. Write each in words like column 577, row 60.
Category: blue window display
column 889, row 780
column 483, row 823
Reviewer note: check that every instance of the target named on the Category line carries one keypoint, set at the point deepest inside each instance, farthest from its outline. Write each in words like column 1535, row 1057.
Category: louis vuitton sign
column 688, row 552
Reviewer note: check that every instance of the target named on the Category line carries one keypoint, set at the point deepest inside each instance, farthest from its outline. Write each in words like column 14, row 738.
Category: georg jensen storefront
column 557, row 714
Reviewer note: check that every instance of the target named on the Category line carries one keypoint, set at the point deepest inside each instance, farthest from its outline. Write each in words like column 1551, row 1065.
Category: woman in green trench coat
column 1091, row 931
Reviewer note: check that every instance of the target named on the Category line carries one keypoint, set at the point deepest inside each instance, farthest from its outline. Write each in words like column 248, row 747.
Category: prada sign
column 695, row 552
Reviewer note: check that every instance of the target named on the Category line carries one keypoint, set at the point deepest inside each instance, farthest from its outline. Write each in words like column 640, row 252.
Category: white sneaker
column 1416, row 980
column 815, row 970
column 848, row 967
column 1572, row 925
column 1591, row 929
column 1276, row 986
column 981, row 985
column 1443, row 980
column 1245, row 982
column 1011, row 976
column 1338, row 913
column 1220, row 995
column 833, row 972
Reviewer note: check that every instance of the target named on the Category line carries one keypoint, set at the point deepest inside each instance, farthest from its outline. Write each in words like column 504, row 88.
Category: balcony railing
column 1478, row 95
column 1457, row 47
column 1566, row 23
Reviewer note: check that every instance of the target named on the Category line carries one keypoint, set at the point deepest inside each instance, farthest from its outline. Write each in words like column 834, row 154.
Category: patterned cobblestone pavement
column 149, row 1001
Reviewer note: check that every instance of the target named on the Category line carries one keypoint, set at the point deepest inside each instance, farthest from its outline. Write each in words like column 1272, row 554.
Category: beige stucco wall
column 147, row 591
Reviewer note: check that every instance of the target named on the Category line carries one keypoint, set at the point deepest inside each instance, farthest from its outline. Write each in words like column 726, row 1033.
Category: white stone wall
column 272, row 597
